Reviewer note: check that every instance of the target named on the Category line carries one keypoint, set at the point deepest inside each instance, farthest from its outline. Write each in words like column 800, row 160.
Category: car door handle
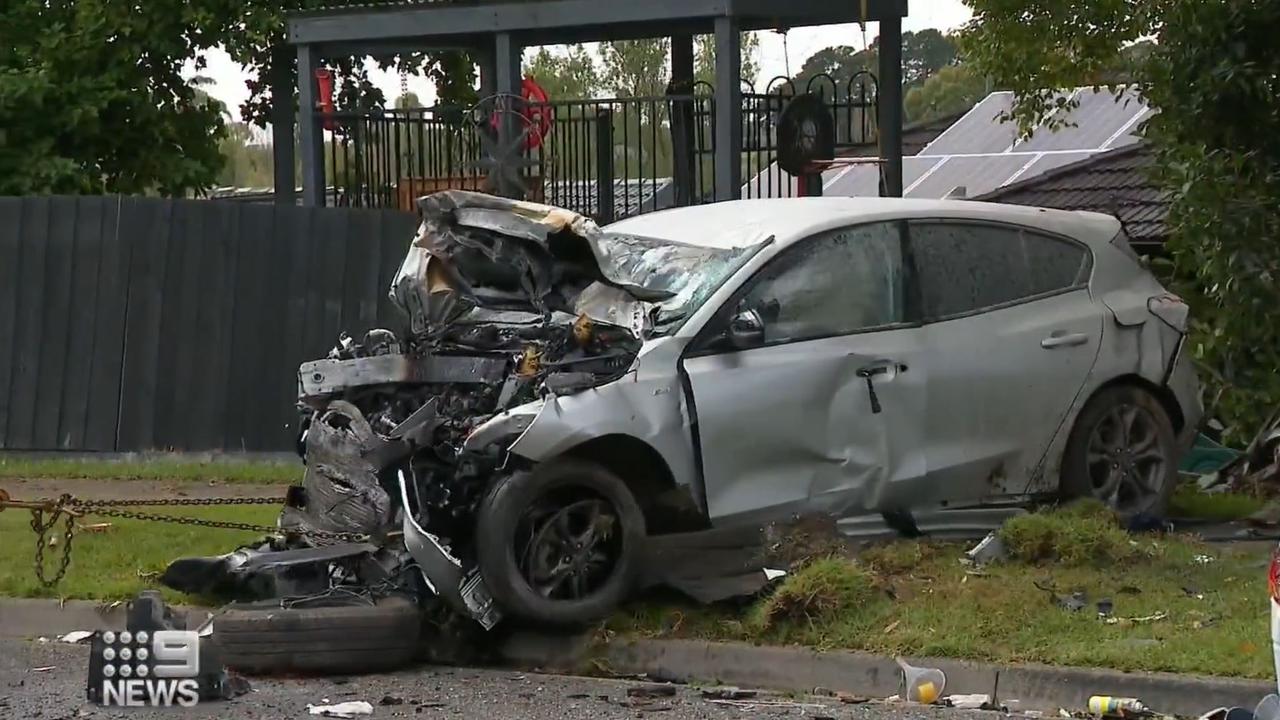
column 1058, row 340
column 880, row 367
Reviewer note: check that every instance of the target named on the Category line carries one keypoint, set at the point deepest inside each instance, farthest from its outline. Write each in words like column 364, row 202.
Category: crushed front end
column 404, row 432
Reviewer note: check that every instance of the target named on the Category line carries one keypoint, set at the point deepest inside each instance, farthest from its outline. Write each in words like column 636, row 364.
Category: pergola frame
column 497, row 33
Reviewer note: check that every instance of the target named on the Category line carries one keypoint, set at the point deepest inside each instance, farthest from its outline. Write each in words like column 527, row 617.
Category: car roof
column 737, row 223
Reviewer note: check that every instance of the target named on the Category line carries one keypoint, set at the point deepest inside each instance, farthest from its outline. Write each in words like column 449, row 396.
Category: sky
column 229, row 78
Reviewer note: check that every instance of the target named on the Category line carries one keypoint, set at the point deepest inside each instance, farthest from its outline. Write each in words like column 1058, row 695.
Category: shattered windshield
column 691, row 272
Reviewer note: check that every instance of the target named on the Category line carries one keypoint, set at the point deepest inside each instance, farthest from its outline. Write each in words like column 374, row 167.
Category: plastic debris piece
column 1203, row 559
column 1105, row 608
column 43, row 668
column 990, row 549
column 923, row 685
column 349, row 709
column 968, row 702
column 728, row 693
column 771, row 574
column 76, row 636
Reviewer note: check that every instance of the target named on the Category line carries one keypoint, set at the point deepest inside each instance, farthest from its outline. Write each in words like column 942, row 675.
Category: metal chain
column 69, row 508
column 42, row 528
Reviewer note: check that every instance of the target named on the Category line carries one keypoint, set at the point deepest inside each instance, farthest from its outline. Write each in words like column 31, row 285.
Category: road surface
column 47, row 681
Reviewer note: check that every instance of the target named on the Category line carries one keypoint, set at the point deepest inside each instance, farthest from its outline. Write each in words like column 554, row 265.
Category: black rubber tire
column 1076, row 483
column 499, row 515
column 346, row 639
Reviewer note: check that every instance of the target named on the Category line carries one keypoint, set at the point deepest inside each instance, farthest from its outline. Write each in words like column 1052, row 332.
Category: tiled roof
column 1115, row 182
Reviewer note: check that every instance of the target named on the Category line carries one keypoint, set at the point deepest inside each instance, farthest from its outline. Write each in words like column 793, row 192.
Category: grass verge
column 917, row 599
column 225, row 471
column 118, row 562
column 1190, row 502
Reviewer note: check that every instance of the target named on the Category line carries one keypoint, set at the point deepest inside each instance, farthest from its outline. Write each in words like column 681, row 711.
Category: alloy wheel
column 567, row 545
column 1126, row 464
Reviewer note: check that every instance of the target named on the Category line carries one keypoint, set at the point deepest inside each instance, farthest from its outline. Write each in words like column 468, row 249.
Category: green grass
column 916, row 599
column 226, row 470
column 114, row 564
column 1189, row 502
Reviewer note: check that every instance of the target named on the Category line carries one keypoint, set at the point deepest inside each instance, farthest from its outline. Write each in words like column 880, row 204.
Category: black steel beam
column 310, row 134
column 682, row 122
column 728, row 114
column 889, row 106
column 283, row 117
column 548, row 21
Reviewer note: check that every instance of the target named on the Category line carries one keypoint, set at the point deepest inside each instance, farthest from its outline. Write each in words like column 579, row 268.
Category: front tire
column 560, row 545
column 1122, row 451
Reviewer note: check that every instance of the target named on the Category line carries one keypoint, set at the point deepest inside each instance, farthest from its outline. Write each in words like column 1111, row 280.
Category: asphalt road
column 47, row 681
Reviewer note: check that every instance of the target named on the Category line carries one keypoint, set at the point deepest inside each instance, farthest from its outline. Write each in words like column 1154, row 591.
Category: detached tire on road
column 542, row 508
column 257, row 639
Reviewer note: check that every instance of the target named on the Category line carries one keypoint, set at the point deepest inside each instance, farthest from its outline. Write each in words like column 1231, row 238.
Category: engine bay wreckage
column 415, row 482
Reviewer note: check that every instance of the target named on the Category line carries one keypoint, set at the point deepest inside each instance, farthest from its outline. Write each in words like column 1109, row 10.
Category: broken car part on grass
column 570, row 413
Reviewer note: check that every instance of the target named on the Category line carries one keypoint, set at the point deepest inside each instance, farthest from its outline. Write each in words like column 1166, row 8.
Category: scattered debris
column 923, row 685
column 1105, row 705
column 770, row 574
column 892, row 626
column 1203, row 559
column 93, row 527
column 44, row 668
column 76, row 636
column 348, row 709
column 1193, row 592
column 651, row 691
column 728, row 693
column 1105, row 608
column 391, row 700
column 851, row 699
column 968, row 702
column 991, row 549
column 1137, row 620
column 753, row 704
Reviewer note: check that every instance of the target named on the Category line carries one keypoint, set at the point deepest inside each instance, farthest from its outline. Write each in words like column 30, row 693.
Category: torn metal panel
column 320, row 378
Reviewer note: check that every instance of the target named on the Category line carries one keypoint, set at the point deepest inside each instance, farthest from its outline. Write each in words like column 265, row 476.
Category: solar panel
column 981, row 153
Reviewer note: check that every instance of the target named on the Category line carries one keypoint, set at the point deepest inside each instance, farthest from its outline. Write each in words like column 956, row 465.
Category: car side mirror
column 746, row 329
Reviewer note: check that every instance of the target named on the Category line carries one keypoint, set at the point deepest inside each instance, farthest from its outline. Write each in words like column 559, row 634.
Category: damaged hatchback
column 562, row 399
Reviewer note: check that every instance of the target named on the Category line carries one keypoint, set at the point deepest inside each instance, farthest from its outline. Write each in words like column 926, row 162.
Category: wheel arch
column 1164, row 395
column 667, row 506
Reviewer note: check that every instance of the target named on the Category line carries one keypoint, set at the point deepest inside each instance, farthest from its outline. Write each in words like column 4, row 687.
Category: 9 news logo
column 145, row 669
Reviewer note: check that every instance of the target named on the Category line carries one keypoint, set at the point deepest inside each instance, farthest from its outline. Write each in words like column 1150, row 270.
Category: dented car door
column 806, row 387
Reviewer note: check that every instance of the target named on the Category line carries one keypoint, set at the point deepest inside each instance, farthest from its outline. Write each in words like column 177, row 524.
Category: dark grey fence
column 141, row 324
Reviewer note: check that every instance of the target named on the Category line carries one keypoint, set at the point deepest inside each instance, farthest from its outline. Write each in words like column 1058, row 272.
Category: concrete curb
column 1034, row 687
column 30, row 618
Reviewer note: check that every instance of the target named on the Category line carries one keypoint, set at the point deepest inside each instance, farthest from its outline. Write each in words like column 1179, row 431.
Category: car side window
column 835, row 283
column 968, row 267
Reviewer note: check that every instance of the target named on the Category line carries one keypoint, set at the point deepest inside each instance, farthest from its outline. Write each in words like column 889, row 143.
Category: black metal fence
column 660, row 149
column 138, row 323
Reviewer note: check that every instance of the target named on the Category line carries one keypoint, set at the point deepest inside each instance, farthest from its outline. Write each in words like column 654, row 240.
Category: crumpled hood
column 477, row 253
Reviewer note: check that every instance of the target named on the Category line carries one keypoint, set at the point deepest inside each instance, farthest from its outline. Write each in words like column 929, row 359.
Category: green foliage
column 1084, row 533
column 951, row 90
column 1211, row 75
column 924, row 53
column 92, row 99
column 571, row 75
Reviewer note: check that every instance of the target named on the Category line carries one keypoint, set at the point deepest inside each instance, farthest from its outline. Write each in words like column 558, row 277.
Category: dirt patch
column 91, row 489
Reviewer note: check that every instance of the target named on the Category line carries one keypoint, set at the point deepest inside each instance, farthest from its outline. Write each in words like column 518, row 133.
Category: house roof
column 1116, row 182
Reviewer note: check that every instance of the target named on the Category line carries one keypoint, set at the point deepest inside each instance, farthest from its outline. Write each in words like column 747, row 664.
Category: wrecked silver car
column 564, row 399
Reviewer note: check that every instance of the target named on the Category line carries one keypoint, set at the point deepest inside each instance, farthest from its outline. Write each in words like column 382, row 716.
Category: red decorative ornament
column 324, row 81
column 536, row 114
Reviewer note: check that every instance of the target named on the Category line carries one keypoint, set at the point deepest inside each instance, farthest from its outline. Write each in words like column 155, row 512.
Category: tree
column 704, row 58
column 92, row 99
column 951, row 90
column 572, row 75
column 85, row 84
column 923, row 54
column 1211, row 75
